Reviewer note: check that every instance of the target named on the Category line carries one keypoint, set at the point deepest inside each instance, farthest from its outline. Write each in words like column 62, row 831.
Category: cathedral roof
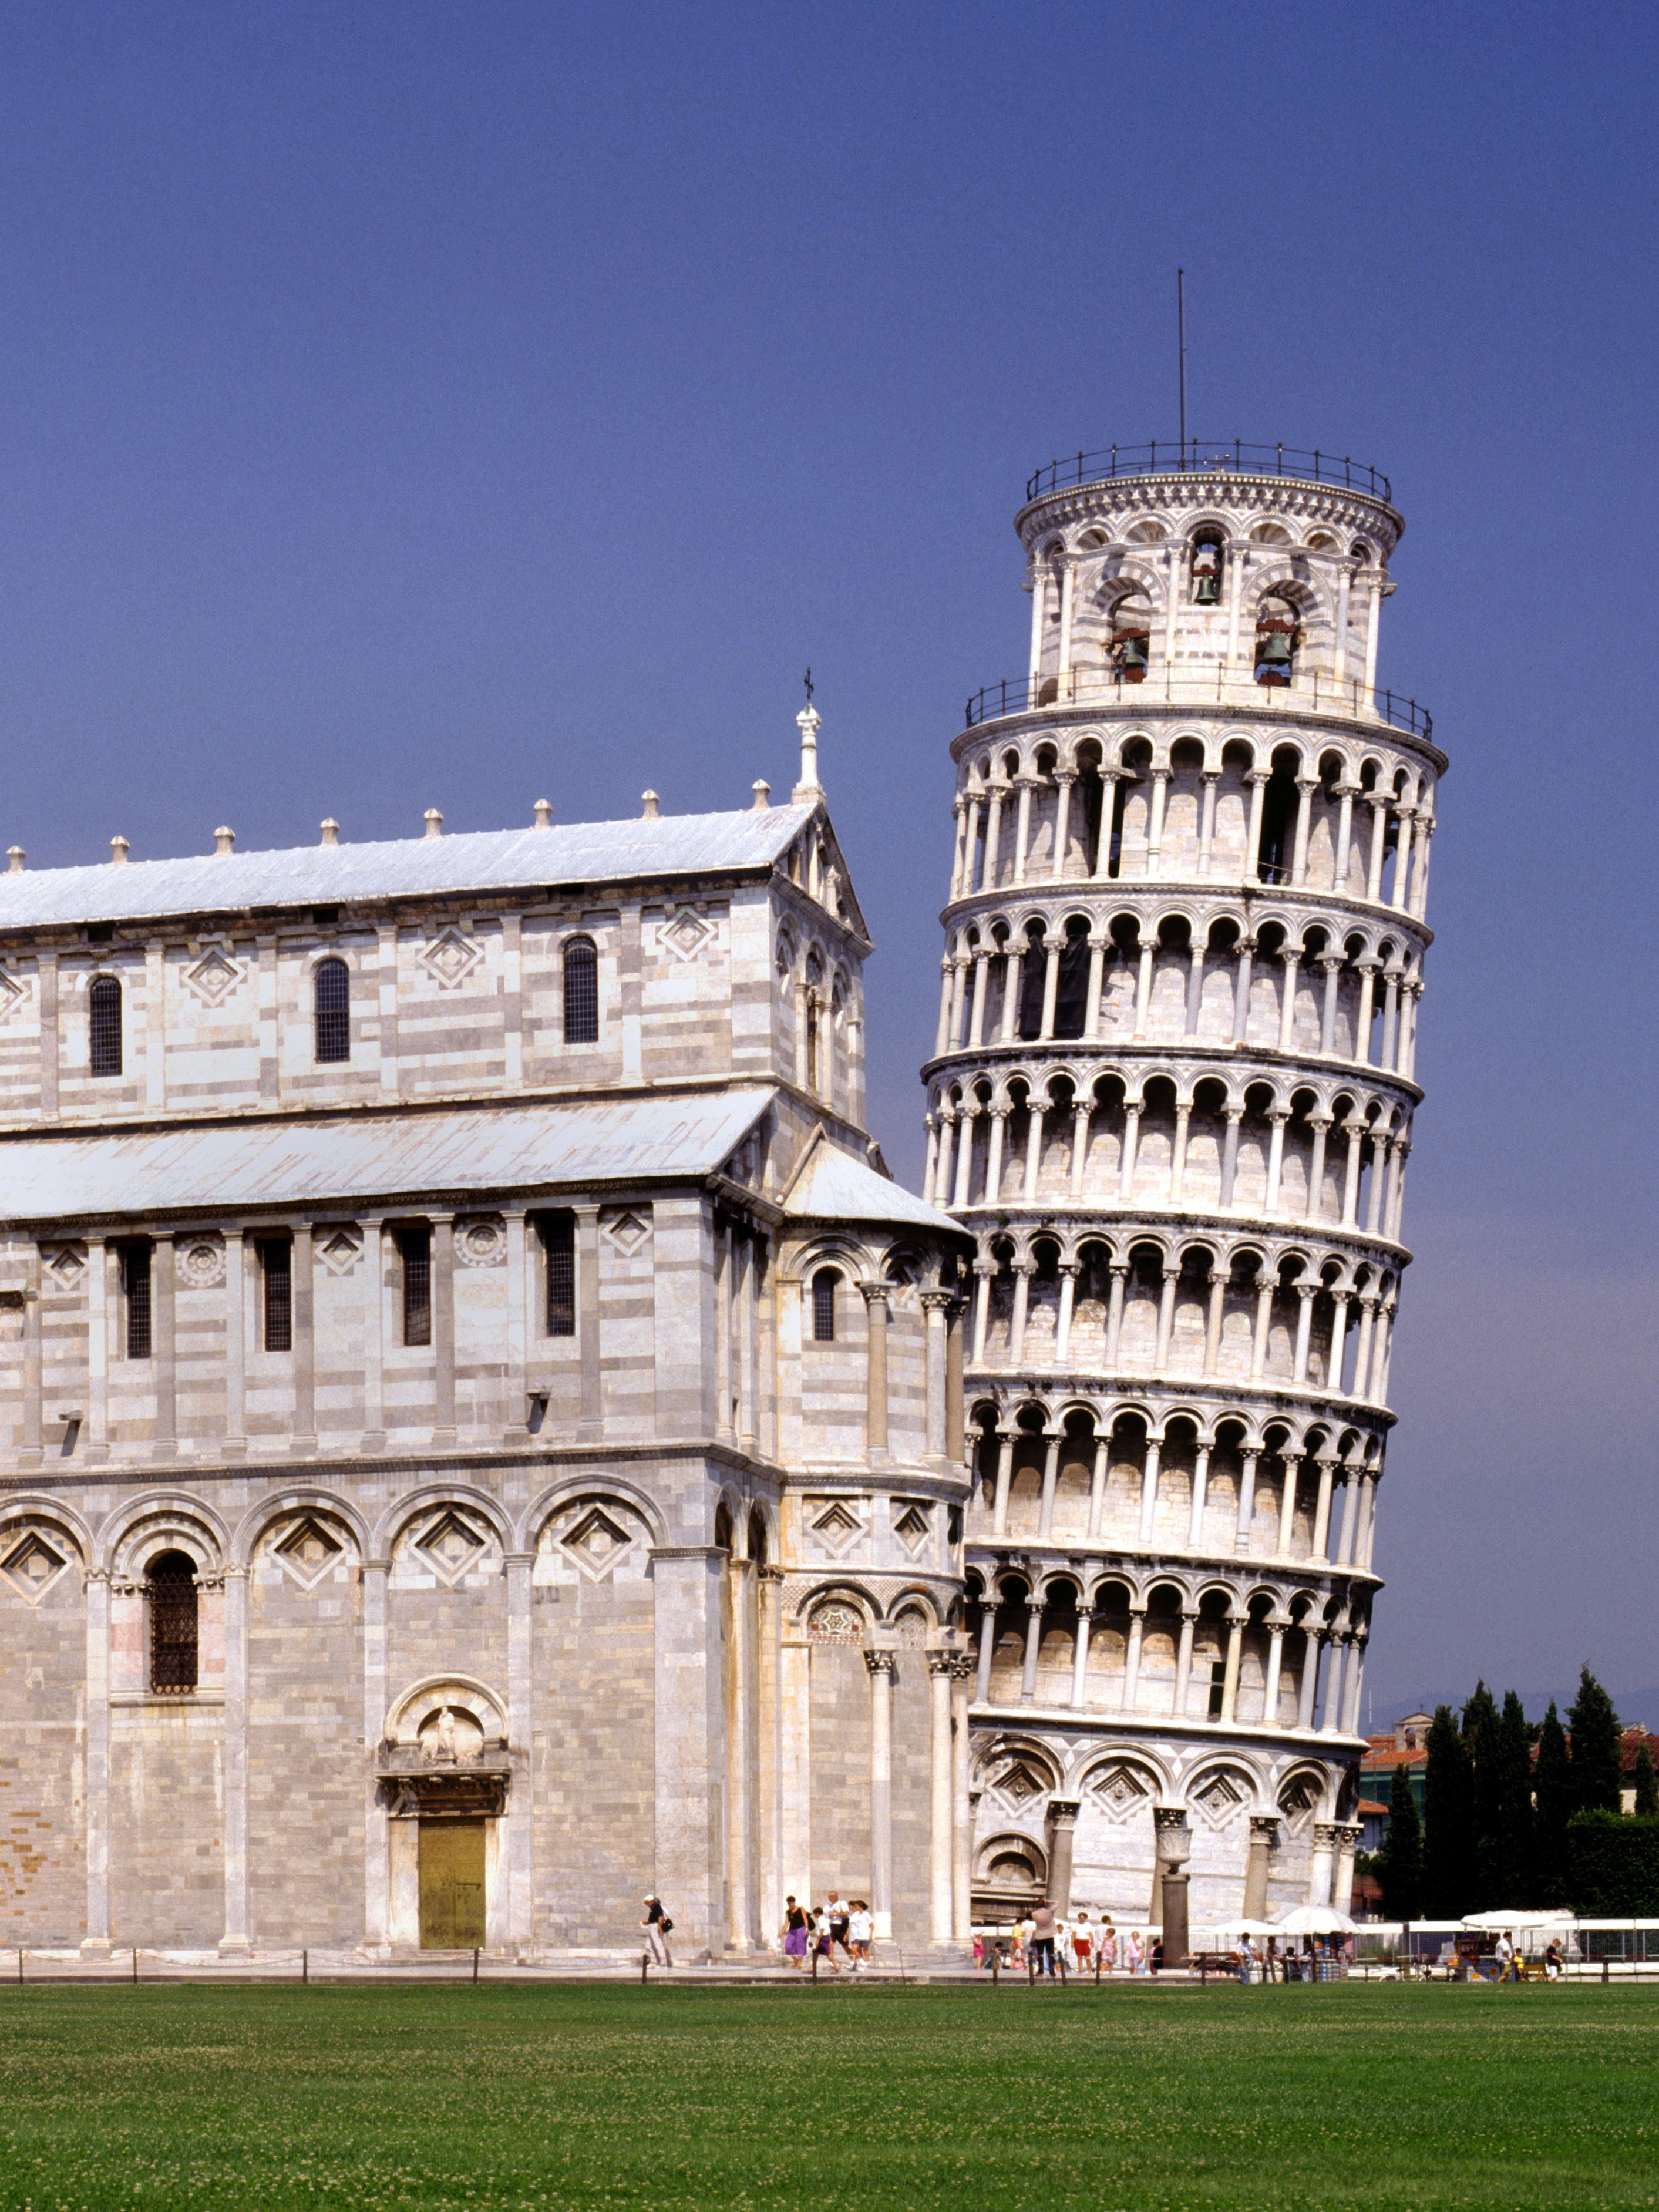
column 463, row 1154
column 565, row 854
column 833, row 1186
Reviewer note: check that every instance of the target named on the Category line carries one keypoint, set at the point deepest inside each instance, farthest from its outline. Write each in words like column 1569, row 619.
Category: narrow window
column 559, row 1242
column 824, row 1305
column 135, row 1285
column 332, row 988
column 172, row 1580
column 1217, row 1687
column 276, row 1264
column 582, row 992
column 105, row 1003
column 416, row 1245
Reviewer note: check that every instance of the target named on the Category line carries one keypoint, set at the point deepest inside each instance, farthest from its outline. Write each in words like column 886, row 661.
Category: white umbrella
column 1315, row 1920
column 1246, row 1928
column 1496, row 1921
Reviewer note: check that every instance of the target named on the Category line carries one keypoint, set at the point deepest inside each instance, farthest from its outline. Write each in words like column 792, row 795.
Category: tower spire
column 807, row 723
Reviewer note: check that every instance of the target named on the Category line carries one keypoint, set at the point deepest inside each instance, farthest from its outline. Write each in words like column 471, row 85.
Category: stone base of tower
column 1260, row 1823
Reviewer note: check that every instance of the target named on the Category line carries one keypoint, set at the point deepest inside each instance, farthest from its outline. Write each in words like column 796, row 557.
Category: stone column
column 875, row 1296
column 1245, row 952
column 1258, row 779
column 881, row 1667
column 1051, row 952
column 691, row 1740
column 1034, row 1610
column 1208, row 778
column 956, row 1438
column 1050, row 1477
column 29, row 1455
column 1305, row 787
column 1290, row 960
column 1184, row 1664
column 988, row 1644
column 1355, row 1686
column 769, row 1766
column 1330, row 1721
column 1143, row 989
column 1092, row 1011
column 1025, row 784
column 101, row 1303
column 1326, row 1838
column 1339, row 647
column 936, row 1305
column 1306, row 1293
column 1131, row 1656
column 1035, row 1116
column 387, row 986
column 164, row 1360
column 946, row 980
column 1160, row 793
column 1347, row 1838
column 976, row 1004
column 591, row 1425
column 1264, row 1833
column 515, row 1383
column 48, row 983
column 1322, row 1528
column 1278, row 1116
column 1063, row 783
column 1233, row 1115
column 1080, row 1655
column 1308, row 1687
column 1178, row 1157
column 521, row 1722
column 1275, row 1669
column 305, row 1343
column 1039, row 590
column 235, row 1343
column 941, row 1814
column 1174, row 1844
column 1022, row 1272
column 377, row 1856
column 722, row 1286
column 1125, row 1183
column 1062, row 1832
column 1068, row 1275
column 95, row 1942
column 1201, row 1496
column 1246, row 1501
column 1149, row 1489
column 1119, row 1273
column 1097, row 1485
column 374, row 1292
column 443, row 1330
column 235, row 1941
column 1378, row 803
column 962, row 1851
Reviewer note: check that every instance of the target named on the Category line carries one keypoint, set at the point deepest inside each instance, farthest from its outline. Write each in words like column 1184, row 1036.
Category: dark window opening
column 1089, row 790
column 416, row 1247
column 324, row 916
column 559, row 1242
column 582, row 993
column 824, row 1305
column 1279, row 813
column 1276, row 637
column 101, row 933
column 173, row 1638
column 134, row 1286
column 1114, row 842
column 1072, row 998
column 1206, row 572
column 1033, row 968
column 104, row 1002
column 276, row 1264
column 1217, row 1687
column 333, row 989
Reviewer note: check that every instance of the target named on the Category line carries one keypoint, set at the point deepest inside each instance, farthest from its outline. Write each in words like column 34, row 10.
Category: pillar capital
column 940, row 1663
column 875, row 1293
column 880, row 1664
column 1063, row 1810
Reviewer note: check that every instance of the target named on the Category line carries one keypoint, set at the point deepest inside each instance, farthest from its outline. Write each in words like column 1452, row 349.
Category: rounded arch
column 157, row 1521
column 396, row 1517
column 277, row 1506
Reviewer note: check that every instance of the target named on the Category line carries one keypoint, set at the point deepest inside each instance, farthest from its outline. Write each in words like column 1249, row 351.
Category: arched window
column 582, row 992
column 332, row 986
column 415, row 1246
column 1207, row 571
column 824, row 1305
column 558, row 1233
column 104, row 1005
column 172, row 1590
column 1278, row 634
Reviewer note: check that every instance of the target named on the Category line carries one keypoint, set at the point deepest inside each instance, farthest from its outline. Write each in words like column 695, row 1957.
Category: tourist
column 1505, row 1951
column 861, row 1927
column 836, row 1913
column 795, row 1933
column 1044, row 1928
column 1553, row 1960
column 1083, row 1943
column 1106, row 1943
column 1016, row 1940
column 1270, row 1962
column 1134, row 1951
column 823, row 1943
column 656, row 1925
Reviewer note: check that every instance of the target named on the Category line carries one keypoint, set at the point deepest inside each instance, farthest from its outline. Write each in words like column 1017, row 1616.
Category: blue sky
column 409, row 406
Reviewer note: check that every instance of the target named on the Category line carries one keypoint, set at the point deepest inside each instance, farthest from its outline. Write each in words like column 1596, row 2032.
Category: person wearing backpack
column 658, row 1927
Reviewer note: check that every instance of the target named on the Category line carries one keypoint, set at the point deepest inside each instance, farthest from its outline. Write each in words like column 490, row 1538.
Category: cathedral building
column 1172, row 1094
column 484, row 1438
column 481, row 1430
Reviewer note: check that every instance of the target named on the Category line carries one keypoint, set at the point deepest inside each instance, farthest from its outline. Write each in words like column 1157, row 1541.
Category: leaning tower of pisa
column 1171, row 1096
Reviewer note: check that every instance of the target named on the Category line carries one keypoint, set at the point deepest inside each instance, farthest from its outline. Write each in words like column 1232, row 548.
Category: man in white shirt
column 1505, row 1957
column 860, row 1928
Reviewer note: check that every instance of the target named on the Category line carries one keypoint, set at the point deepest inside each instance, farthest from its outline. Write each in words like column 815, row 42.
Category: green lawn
column 985, row 2100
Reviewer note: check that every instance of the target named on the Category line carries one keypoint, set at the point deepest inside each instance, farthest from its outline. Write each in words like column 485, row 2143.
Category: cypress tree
column 1516, row 1872
column 1553, row 1782
column 1646, row 1781
column 1480, row 1739
column 1597, row 1767
column 1400, row 1862
column 1447, row 1869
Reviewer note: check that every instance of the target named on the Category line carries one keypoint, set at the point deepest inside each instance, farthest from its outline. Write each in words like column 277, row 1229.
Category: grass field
column 865, row 2097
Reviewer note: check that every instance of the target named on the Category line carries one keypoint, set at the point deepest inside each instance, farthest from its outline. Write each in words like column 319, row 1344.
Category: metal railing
column 1203, row 456
column 1313, row 694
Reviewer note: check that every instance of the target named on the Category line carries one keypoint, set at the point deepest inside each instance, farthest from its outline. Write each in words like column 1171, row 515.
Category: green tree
column 1400, row 1862
column 1646, row 1781
column 1597, row 1765
column 1552, row 1788
column 1517, row 1874
column 1481, row 1742
column 1447, row 1844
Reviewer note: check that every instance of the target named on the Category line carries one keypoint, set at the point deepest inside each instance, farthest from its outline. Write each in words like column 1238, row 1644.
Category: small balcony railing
column 1205, row 457
column 1186, row 684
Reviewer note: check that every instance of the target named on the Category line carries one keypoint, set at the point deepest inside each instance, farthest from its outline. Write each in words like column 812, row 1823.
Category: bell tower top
column 1205, row 571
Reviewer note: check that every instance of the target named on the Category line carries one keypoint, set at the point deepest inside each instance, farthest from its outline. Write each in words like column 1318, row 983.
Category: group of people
column 817, row 1932
column 1046, row 1942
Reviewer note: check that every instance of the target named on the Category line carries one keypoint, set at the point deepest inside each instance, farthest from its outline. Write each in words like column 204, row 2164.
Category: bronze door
column 452, row 1885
